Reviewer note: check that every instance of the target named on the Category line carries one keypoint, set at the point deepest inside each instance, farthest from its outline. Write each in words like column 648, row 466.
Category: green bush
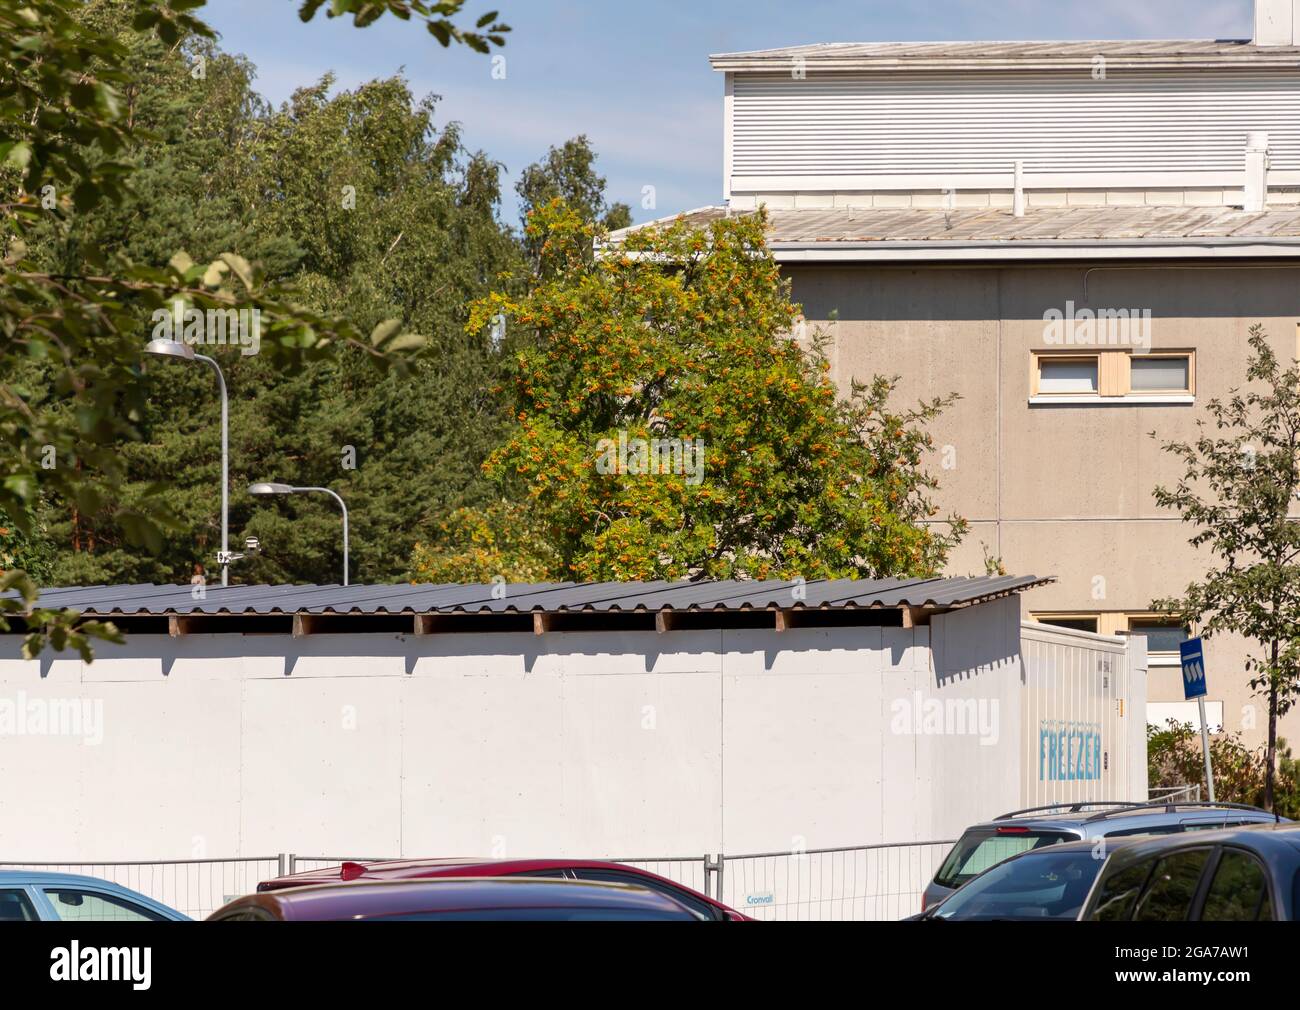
column 1174, row 758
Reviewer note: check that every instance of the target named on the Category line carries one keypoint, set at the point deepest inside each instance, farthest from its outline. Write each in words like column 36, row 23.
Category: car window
column 1171, row 888
column 73, row 904
column 1213, row 825
column 1238, row 891
column 1154, row 829
column 15, row 906
column 650, row 883
column 1119, row 892
column 1048, row 884
column 980, row 848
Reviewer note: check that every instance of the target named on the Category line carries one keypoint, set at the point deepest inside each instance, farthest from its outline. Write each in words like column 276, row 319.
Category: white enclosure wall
column 621, row 744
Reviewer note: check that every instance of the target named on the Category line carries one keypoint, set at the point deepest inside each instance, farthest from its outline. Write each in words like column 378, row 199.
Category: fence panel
column 305, row 864
column 867, row 884
column 197, row 887
column 693, row 871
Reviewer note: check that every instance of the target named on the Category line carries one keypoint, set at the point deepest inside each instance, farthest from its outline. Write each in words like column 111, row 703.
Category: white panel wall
column 829, row 128
column 619, row 744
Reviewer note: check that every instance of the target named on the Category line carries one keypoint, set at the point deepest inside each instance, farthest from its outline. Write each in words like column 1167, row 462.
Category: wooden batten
column 915, row 617
column 304, row 625
column 541, row 623
column 665, row 621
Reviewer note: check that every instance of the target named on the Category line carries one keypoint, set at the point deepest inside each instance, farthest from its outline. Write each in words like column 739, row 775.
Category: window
column 979, row 849
column 1067, row 375
column 76, row 905
column 1169, row 893
column 1074, row 623
column 1048, row 884
column 1119, row 376
column 1239, row 891
column 1164, row 635
column 1119, row 893
column 649, row 883
column 1160, row 374
column 16, row 907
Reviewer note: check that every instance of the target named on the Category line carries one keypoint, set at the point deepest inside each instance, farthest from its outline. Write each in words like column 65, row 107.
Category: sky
column 634, row 75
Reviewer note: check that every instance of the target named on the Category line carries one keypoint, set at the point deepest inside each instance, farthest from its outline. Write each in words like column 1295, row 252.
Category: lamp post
column 265, row 490
column 175, row 349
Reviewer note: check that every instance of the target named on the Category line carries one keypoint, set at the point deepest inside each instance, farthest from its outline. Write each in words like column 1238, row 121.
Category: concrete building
column 1076, row 238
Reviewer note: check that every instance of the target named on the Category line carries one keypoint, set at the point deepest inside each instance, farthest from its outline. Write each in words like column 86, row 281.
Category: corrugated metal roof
column 865, row 55
column 1065, row 225
column 547, row 598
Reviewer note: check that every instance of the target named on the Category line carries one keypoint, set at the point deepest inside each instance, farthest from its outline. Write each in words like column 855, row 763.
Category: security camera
column 252, row 546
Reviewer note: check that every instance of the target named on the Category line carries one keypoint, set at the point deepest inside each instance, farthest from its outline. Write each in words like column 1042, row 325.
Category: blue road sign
column 1194, row 685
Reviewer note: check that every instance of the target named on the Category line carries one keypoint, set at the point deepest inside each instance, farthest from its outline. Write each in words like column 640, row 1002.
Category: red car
column 563, row 869
column 458, row 899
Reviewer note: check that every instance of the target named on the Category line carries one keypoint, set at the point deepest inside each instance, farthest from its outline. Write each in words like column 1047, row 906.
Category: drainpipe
column 1256, row 196
column 1018, row 201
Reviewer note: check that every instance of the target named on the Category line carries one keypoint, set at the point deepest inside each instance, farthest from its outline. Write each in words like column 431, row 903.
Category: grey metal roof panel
column 865, row 54
column 556, row 598
column 1157, row 225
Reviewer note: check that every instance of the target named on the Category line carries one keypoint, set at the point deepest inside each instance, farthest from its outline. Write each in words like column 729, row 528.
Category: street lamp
column 175, row 349
column 266, row 490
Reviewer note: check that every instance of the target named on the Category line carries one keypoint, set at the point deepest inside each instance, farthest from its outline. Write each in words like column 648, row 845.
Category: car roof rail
column 1074, row 807
column 1171, row 807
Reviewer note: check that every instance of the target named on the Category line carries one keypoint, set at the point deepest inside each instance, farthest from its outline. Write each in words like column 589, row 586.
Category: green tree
column 1240, row 481
column 569, row 173
column 770, row 473
column 66, row 131
column 372, row 213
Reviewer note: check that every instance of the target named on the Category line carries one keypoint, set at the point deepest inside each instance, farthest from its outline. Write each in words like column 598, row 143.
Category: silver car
column 986, row 845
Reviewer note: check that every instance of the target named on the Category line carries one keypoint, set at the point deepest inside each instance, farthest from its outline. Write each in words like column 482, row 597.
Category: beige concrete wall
column 1052, row 490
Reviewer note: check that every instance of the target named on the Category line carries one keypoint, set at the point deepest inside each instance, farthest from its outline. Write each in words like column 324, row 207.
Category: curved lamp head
column 263, row 490
column 169, row 349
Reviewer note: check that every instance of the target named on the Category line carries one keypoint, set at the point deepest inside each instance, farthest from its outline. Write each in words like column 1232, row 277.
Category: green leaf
column 385, row 331
column 243, row 270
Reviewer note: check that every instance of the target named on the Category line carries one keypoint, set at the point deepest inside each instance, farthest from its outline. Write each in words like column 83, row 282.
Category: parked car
column 986, row 845
column 563, row 869
column 1241, row 874
column 459, row 899
column 1049, row 883
column 32, row 896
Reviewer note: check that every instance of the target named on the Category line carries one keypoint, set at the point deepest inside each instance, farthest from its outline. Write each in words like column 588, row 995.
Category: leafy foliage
column 568, row 173
column 439, row 19
column 1175, row 758
column 73, row 85
column 684, row 334
column 1241, row 478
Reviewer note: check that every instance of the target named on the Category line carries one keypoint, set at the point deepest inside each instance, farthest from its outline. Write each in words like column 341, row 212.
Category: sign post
column 1195, row 686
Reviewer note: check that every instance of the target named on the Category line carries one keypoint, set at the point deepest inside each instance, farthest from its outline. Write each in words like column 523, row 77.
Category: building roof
column 996, row 232
column 548, row 598
column 1144, row 54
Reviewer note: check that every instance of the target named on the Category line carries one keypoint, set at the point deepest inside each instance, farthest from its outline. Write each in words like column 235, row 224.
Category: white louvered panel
column 863, row 125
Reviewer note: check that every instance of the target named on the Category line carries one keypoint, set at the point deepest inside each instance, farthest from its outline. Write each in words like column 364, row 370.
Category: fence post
column 287, row 861
column 713, row 865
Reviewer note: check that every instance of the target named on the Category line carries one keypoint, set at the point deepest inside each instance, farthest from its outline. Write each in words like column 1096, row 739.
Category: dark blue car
column 1236, row 875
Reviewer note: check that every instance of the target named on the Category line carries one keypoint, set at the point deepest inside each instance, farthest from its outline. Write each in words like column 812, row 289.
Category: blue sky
column 634, row 74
